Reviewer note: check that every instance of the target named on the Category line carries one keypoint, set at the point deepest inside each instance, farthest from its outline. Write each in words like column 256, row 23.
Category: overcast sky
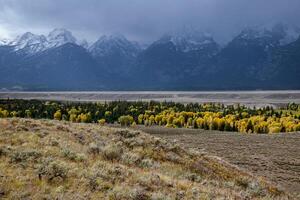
column 142, row 20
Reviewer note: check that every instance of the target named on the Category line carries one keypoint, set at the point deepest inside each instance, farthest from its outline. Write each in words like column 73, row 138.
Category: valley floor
column 249, row 98
column 275, row 157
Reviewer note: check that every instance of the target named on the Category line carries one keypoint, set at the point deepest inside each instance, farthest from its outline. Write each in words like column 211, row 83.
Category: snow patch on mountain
column 108, row 45
column 250, row 33
column 284, row 33
column 188, row 39
column 83, row 43
column 31, row 43
column 291, row 35
column 187, row 44
column 59, row 37
column 4, row 41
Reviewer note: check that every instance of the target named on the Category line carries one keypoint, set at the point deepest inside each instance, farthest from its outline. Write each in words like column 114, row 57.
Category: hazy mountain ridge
column 257, row 58
column 114, row 53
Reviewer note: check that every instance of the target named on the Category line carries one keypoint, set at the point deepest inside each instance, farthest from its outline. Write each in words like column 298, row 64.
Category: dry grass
column 43, row 159
column 275, row 157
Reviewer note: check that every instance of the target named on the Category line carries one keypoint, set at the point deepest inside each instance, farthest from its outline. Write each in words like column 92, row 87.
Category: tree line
column 209, row 116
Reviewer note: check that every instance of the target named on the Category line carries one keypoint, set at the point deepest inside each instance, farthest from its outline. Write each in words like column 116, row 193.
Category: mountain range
column 256, row 58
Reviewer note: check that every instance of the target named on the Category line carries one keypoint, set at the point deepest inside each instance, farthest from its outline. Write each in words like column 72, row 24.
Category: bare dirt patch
column 274, row 157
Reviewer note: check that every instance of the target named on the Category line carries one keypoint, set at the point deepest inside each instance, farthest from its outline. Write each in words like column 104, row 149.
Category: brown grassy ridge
column 43, row 159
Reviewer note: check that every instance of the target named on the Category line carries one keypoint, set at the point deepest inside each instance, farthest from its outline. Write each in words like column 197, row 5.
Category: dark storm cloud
column 143, row 19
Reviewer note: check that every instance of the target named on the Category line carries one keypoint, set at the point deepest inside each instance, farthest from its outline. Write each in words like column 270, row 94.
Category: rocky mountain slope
column 257, row 58
column 115, row 53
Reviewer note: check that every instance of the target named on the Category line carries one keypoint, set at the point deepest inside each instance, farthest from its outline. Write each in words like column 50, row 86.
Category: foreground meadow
column 43, row 159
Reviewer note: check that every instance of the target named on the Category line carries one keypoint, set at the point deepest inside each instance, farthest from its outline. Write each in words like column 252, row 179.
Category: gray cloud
column 143, row 20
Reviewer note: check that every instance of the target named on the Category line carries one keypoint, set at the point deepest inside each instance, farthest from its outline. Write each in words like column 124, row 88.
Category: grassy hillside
column 43, row 159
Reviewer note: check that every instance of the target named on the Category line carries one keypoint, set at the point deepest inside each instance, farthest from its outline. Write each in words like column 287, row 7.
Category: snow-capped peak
column 291, row 34
column 33, row 43
column 284, row 33
column 188, row 39
column 106, row 45
column 4, row 41
column 59, row 37
column 83, row 43
column 116, row 40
